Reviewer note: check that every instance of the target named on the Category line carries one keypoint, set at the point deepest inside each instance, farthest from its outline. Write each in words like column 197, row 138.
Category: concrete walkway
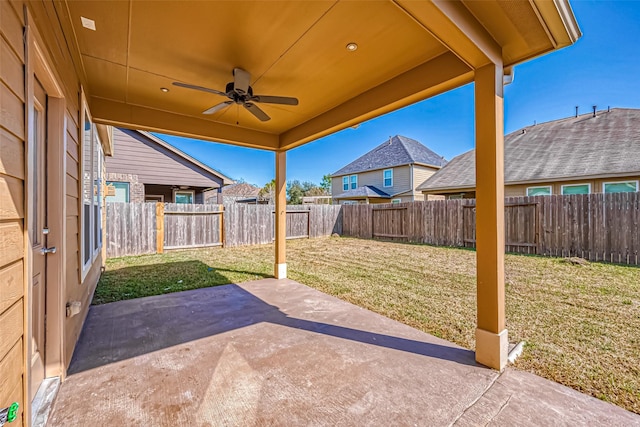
column 280, row 353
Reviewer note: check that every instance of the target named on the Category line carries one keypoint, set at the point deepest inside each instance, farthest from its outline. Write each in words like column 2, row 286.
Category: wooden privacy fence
column 255, row 224
column 146, row 228
column 597, row 227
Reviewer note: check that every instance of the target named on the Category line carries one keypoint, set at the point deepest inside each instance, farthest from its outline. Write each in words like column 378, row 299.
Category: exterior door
column 38, row 234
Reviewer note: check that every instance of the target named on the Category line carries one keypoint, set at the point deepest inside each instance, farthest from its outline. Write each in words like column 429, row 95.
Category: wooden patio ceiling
column 406, row 51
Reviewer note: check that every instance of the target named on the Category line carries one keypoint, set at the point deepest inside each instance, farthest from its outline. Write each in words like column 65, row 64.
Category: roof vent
column 576, row 111
column 594, row 110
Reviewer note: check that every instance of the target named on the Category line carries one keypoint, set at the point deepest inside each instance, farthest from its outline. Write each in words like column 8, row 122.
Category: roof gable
column 157, row 162
column 396, row 151
column 583, row 146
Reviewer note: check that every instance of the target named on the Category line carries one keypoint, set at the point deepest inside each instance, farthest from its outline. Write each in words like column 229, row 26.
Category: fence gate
column 388, row 222
column 298, row 224
column 521, row 227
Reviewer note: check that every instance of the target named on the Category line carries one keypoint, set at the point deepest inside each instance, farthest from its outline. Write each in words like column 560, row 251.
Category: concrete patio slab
column 275, row 352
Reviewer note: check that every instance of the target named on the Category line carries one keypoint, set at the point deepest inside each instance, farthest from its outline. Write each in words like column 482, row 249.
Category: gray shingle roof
column 395, row 151
column 366, row 191
column 608, row 144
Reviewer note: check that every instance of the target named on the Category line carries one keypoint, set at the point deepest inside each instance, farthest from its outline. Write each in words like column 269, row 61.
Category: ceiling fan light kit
column 240, row 92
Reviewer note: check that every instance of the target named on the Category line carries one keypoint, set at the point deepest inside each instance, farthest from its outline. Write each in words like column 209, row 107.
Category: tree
column 269, row 191
column 325, row 184
column 295, row 191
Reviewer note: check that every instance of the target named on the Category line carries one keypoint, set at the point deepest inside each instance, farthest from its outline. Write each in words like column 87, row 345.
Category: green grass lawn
column 581, row 322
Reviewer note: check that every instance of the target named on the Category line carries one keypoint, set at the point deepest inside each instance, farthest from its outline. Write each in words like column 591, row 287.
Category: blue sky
column 602, row 68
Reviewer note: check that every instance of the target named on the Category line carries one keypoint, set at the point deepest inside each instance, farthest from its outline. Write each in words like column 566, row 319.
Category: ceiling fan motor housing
column 238, row 98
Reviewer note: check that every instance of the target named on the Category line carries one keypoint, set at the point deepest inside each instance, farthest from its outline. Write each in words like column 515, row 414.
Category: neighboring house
column 389, row 173
column 590, row 153
column 144, row 168
column 242, row 193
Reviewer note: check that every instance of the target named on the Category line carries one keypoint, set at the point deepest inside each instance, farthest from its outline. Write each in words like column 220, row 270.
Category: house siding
column 14, row 243
column 420, row 175
column 12, row 176
column 401, row 180
column 154, row 164
column 517, row 190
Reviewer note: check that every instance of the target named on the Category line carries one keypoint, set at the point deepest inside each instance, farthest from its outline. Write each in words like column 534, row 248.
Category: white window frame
column 384, row 184
column 352, row 182
column 604, row 184
column 159, row 197
column 345, row 183
column 193, row 195
column 575, row 185
column 349, row 202
column 396, row 201
column 95, row 216
column 541, row 186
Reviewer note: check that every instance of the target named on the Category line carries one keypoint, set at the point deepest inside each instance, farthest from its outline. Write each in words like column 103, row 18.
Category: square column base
column 280, row 271
column 492, row 349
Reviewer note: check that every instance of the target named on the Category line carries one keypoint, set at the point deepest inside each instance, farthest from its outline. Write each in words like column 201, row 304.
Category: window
column 349, row 202
column 388, row 177
column 122, row 192
column 154, row 198
column 621, row 187
column 576, row 189
column 539, row 191
column 345, row 183
column 183, row 196
column 91, row 213
column 354, row 182
column 396, row 201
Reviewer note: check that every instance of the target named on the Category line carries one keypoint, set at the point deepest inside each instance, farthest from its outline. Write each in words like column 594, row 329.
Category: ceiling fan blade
column 218, row 107
column 241, row 80
column 256, row 111
column 200, row 88
column 284, row 100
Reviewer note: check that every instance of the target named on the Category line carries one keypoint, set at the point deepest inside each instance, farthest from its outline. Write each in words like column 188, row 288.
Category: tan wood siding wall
column 401, row 180
column 12, row 176
column 75, row 288
column 12, row 192
column 154, row 164
column 420, row 175
column 597, row 185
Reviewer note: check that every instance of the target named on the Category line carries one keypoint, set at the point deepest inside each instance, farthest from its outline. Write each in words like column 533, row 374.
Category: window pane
column 539, row 191
column 86, row 234
column 621, row 187
column 184, row 198
column 122, row 192
column 575, row 189
column 87, row 189
column 345, row 183
column 35, row 233
column 354, row 182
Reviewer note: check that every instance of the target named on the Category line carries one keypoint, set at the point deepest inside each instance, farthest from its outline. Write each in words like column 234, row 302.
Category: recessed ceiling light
column 351, row 47
column 164, row 89
column 88, row 23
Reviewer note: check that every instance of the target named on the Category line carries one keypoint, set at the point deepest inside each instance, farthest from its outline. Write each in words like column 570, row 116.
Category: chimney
column 594, row 110
column 576, row 111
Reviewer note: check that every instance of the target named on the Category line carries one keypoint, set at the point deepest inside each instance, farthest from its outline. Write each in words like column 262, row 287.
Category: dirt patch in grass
column 580, row 322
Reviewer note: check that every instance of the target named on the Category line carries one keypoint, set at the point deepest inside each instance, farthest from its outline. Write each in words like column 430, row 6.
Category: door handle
column 45, row 251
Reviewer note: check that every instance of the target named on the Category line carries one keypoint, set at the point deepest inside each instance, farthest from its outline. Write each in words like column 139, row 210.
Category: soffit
column 291, row 48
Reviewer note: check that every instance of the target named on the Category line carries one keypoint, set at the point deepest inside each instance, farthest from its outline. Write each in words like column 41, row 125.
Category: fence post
column 159, row 227
column 221, row 225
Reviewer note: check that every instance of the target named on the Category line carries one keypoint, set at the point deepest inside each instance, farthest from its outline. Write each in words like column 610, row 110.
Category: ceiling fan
column 239, row 92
